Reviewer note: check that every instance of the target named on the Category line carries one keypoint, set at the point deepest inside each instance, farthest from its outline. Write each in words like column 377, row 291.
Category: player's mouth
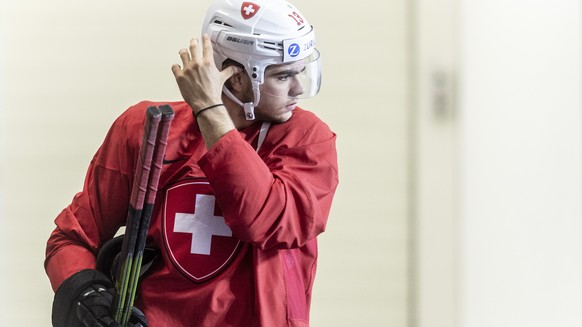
column 291, row 106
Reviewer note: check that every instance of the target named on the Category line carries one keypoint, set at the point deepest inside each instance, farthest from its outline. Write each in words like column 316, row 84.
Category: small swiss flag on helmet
column 249, row 9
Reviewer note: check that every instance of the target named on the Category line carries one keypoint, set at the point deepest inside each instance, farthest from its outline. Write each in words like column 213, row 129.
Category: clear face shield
column 297, row 80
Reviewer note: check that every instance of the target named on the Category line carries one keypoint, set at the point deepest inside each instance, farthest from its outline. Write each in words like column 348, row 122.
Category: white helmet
column 260, row 33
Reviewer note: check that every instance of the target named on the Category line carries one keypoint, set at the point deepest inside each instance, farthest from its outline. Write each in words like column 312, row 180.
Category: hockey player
column 246, row 185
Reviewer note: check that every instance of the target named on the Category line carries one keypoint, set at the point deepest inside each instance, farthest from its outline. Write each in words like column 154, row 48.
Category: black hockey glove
column 85, row 300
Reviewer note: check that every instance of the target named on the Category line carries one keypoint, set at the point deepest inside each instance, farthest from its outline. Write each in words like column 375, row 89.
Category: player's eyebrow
column 287, row 72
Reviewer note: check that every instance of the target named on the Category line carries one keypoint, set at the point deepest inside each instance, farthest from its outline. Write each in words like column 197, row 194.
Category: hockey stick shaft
column 152, row 188
column 138, row 194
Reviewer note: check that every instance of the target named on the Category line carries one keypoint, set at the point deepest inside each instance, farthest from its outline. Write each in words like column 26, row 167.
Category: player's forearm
column 214, row 124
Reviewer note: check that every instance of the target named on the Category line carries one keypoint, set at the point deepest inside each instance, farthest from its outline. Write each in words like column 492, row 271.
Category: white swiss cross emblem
column 202, row 224
column 249, row 9
column 199, row 242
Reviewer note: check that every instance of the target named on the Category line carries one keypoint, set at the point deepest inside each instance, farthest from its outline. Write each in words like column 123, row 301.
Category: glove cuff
column 66, row 297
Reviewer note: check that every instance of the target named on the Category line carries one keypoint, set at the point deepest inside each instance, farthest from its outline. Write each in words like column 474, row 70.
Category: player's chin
column 283, row 117
column 279, row 117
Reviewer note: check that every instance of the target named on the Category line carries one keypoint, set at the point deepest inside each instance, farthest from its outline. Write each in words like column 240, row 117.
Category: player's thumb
column 229, row 71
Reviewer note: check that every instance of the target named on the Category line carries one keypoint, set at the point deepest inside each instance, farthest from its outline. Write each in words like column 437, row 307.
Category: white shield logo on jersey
column 199, row 242
column 249, row 9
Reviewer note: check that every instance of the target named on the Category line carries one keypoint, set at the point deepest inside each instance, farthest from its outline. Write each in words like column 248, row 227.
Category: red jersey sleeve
column 280, row 197
column 100, row 209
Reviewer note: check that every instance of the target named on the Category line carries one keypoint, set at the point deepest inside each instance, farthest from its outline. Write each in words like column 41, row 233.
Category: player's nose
column 296, row 87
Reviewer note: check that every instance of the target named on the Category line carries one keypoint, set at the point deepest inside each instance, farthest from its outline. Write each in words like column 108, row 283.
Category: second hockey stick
column 142, row 199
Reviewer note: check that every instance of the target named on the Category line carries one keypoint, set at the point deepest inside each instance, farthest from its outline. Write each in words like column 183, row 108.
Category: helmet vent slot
column 271, row 45
column 219, row 22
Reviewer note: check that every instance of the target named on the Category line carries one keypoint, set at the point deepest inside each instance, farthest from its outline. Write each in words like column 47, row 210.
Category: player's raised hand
column 199, row 80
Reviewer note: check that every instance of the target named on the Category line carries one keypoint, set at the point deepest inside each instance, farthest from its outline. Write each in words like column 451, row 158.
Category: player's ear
column 239, row 81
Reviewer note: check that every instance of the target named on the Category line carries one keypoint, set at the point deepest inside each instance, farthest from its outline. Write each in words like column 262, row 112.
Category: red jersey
column 236, row 227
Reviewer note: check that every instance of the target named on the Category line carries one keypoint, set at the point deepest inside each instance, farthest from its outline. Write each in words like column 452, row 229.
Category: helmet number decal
column 297, row 18
column 249, row 9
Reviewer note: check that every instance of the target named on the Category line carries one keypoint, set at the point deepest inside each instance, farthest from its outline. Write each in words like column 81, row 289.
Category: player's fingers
column 177, row 70
column 185, row 55
column 194, row 50
column 207, row 52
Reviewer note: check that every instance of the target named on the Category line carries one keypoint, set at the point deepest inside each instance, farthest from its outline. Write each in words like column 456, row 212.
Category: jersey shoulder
column 303, row 127
column 133, row 118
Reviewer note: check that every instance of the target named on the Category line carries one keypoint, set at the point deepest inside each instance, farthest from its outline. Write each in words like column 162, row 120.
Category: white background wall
column 509, row 251
column 70, row 67
column 520, row 255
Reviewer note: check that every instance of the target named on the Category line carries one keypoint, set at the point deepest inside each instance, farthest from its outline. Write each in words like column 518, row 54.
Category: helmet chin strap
column 248, row 107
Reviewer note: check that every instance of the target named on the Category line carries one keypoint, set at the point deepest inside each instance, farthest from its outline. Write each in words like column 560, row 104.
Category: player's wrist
column 217, row 106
